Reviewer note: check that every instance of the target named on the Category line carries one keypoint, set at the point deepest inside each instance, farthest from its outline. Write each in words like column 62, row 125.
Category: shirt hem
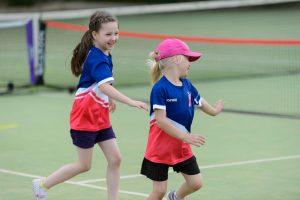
column 169, row 163
column 90, row 130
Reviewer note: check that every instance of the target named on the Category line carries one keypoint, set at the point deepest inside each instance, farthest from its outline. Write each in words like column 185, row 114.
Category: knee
column 84, row 167
column 115, row 161
column 160, row 193
column 196, row 185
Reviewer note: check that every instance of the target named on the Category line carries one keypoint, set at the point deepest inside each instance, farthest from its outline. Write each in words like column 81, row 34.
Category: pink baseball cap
column 171, row 47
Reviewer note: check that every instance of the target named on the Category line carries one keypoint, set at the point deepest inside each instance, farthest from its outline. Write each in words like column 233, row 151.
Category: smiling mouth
column 111, row 43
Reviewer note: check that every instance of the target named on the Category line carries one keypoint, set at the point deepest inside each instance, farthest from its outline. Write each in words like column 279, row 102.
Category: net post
column 41, row 53
column 35, row 38
column 36, row 30
column 30, row 51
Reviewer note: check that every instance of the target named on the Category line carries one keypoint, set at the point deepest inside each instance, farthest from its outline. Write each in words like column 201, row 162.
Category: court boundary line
column 80, row 183
column 212, row 166
column 5, row 171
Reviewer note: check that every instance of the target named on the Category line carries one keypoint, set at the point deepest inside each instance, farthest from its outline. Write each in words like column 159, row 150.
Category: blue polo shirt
column 97, row 68
column 178, row 101
column 90, row 110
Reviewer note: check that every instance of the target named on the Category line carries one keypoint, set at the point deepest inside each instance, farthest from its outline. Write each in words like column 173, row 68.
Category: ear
column 178, row 60
column 94, row 34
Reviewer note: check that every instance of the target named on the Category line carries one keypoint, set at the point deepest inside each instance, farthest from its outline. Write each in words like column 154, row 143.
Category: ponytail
column 80, row 53
column 155, row 72
column 155, row 66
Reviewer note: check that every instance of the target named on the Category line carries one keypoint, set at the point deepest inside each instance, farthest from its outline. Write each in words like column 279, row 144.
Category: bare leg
column 113, row 157
column 159, row 190
column 192, row 184
column 68, row 171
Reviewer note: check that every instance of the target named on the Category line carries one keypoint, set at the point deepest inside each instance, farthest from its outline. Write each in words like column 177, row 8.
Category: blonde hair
column 156, row 67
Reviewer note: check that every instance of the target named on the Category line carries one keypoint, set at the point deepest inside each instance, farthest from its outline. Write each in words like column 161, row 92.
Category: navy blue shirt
column 178, row 101
column 97, row 68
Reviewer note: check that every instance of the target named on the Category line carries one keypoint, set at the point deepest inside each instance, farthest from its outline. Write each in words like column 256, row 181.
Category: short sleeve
column 102, row 73
column 196, row 96
column 158, row 98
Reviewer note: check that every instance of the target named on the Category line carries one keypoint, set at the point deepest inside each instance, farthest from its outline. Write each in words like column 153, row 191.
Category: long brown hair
column 82, row 48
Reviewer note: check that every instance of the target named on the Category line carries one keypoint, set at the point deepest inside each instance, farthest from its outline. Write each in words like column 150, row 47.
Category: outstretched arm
column 113, row 93
column 165, row 124
column 212, row 110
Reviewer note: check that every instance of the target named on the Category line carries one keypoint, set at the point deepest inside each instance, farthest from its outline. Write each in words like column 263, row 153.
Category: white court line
column 131, row 176
column 5, row 171
column 104, row 179
column 208, row 167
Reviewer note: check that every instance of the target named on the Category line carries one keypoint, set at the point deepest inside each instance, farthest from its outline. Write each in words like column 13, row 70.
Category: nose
column 115, row 38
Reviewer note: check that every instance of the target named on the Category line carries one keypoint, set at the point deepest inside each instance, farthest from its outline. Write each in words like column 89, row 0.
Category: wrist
column 131, row 103
column 184, row 137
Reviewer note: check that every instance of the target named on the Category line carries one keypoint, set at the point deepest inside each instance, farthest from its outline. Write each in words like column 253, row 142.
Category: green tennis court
column 40, row 143
column 252, row 149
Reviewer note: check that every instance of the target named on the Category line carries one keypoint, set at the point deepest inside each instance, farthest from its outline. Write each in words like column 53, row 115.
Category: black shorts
column 87, row 139
column 159, row 171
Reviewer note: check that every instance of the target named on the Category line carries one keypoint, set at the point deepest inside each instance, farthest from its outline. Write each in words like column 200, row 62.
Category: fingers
column 146, row 107
column 219, row 105
column 201, row 140
column 142, row 105
column 112, row 107
column 220, row 102
column 196, row 144
column 198, row 140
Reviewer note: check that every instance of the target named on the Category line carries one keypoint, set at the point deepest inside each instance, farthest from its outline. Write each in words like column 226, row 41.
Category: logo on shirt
column 172, row 100
column 190, row 99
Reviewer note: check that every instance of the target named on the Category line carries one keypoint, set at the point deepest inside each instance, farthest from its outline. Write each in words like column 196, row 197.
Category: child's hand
column 112, row 105
column 219, row 105
column 196, row 140
column 141, row 105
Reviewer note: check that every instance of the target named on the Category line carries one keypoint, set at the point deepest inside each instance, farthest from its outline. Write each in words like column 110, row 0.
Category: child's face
column 107, row 36
column 183, row 66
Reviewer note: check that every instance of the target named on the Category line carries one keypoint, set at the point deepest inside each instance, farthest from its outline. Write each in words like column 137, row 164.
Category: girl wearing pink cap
column 173, row 99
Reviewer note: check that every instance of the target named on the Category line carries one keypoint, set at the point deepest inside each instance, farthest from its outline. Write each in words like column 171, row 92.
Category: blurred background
column 251, row 60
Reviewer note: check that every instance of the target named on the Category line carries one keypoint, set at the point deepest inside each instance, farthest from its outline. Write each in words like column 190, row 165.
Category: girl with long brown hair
column 94, row 99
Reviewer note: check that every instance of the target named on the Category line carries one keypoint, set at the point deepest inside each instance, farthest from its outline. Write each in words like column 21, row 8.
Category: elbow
column 102, row 87
column 213, row 114
column 159, row 122
column 210, row 112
